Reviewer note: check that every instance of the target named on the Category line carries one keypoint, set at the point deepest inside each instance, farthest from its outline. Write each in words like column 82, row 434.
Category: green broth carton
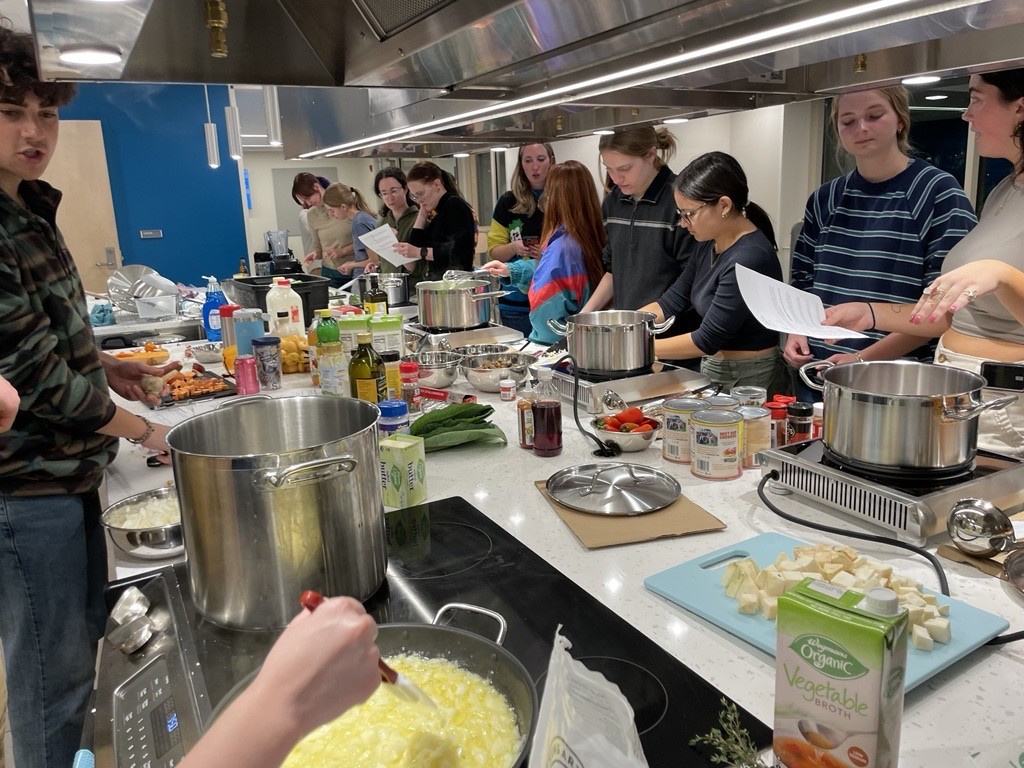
column 840, row 664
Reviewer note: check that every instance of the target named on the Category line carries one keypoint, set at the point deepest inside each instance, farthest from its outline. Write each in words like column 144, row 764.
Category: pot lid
column 613, row 488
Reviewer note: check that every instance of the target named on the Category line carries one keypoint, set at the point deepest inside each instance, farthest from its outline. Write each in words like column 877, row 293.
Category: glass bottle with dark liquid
column 547, row 416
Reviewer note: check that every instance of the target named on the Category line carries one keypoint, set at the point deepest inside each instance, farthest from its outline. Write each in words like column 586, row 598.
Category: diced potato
column 938, row 629
column 775, row 584
column 728, row 573
column 943, row 609
column 748, row 567
column 768, row 606
column 748, row 602
column 804, row 563
column 831, row 570
column 792, row 578
column 921, row 639
column 844, row 579
column 789, row 565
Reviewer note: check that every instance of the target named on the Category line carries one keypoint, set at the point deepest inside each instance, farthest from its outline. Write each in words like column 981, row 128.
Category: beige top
column 999, row 235
column 327, row 232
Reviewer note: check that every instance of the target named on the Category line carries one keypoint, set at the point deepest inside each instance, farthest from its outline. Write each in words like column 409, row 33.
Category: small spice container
column 779, row 417
column 757, row 433
column 410, row 373
column 716, row 444
column 817, row 419
column 507, row 387
column 394, row 417
column 267, row 351
column 799, row 422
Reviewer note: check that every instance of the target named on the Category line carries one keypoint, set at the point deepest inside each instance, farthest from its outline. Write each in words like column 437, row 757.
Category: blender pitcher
column 277, row 243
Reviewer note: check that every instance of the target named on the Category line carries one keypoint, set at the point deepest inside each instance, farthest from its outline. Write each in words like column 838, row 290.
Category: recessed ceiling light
column 603, row 132
column 87, row 53
column 498, row 149
column 675, row 120
column 936, row 97
column 921, row 80
column 461, row 154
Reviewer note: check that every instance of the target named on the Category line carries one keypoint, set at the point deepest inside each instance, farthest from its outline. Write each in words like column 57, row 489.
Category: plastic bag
column 584, row 720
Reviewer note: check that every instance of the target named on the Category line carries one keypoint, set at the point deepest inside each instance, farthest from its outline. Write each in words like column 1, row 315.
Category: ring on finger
column 936, row 291
column 971, row 294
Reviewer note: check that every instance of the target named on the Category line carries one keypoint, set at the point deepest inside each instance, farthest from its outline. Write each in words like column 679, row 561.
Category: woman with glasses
column 331, row 238
column 569, row 267
column 879, row 233
column 516, row 226
column 714, row 206
column 398, row 212
column 346, row 203
column 444, row 233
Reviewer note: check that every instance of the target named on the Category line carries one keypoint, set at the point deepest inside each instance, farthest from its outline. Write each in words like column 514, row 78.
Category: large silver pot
column 278, row 496
column 395, row 285
column 901, row 414
column 455, row 305
column 611, row 341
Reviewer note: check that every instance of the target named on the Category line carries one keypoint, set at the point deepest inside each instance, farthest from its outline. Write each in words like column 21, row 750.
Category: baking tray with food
column 192, row 386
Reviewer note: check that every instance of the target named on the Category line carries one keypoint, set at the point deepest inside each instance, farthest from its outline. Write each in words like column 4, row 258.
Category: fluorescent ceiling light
column 461, row 154
column 210, row 129
column 921, row 80
column 936, row 97
column 90, row 54
column 604, row 132
column 498, row 149
column 272, row 114
column 675, row 120
column 730, row 51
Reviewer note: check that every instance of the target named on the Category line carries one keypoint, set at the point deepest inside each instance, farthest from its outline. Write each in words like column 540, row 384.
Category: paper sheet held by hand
column 382, row 241
column 787, row 309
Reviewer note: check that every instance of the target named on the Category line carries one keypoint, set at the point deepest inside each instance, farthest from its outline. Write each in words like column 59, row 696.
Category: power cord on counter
column 932, row 559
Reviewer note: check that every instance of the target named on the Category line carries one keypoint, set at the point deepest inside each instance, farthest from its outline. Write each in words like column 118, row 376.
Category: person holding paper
column 346, row 203
column 398, row 212
column 977, row 303
column 444, row 233
column 879, row 233
column 730, row 230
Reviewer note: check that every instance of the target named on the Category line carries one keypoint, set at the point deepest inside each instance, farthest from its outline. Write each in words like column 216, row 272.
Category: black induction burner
column 468, row 558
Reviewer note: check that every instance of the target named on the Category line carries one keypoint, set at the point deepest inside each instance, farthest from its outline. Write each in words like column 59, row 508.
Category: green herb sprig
column 731, row 743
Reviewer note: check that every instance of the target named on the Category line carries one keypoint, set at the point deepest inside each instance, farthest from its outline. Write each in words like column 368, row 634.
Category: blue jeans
column 53, row 567
column 517, row 318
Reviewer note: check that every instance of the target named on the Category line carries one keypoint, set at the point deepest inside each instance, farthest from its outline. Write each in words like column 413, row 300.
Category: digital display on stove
column 164, row 726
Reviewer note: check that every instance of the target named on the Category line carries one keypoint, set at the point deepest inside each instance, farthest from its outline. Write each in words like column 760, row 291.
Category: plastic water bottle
column 215, row 298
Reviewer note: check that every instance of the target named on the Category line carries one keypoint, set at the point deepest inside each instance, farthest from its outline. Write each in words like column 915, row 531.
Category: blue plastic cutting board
column 695, row 585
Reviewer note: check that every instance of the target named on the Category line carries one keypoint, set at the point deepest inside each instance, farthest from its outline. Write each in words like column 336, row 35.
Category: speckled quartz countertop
column 972, row 705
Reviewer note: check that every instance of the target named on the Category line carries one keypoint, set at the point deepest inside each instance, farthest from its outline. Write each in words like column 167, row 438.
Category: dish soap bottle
column 366, row 371
column 215, row 298
column 547, row 416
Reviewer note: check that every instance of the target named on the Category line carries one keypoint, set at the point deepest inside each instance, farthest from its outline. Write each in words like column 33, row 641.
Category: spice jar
column 780, row 416
column 410, row 373
column 817, row 419
column 799, row 422
column 394, row 417
column 507, row 387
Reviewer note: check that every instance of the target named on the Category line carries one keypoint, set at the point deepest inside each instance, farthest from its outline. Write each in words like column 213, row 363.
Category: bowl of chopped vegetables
column 628, row 429
column 146, row 525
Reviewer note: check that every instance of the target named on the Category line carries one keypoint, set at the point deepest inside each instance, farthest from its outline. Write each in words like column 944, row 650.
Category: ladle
column 823, row 736
column 980, row 528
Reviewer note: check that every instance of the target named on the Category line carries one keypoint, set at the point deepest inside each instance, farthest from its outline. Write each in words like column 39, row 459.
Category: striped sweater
column 885, row 241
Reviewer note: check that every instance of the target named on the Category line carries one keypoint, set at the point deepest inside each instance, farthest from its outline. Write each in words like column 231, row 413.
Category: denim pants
column 53, row 568
column 768, row 371
column 517, row 318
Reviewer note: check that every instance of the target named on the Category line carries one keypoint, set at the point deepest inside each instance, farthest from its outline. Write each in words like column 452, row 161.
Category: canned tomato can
column 675, row 433
column 267, row 351
column 716, row 444
column 722, row 402
column 245, row 375
column 749, row 395
column 757, row 433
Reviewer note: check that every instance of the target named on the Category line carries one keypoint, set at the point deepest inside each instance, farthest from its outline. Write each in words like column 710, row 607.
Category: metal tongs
column 398, row 684
column 456, row 277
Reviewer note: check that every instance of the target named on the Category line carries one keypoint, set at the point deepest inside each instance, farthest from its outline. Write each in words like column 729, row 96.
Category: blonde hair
column 338, row 195
column 899, row 100
column 526, row 201
column 637, row 141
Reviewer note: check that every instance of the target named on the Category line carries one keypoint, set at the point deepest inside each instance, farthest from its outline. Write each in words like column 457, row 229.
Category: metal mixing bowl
column 156, row 543
column 207, row 353
column 480, row 372
column 437, row 368
column 482, row 349
column 629, row 442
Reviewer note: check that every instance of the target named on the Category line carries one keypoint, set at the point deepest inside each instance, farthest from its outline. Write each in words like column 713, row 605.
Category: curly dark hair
column 19, row 74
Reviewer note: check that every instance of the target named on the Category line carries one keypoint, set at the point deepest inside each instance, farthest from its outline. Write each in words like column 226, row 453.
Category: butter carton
column 403, row 470
column 840, row 666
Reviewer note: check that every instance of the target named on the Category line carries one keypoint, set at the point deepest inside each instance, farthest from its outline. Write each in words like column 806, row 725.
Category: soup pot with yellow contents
column 486, row 706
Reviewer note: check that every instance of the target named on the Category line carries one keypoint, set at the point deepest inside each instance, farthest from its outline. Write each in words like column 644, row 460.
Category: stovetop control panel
column 147, row 732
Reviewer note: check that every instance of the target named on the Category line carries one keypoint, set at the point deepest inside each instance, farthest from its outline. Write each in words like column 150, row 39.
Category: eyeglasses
column 418, row 196
column 688, row 215
column 390, row 192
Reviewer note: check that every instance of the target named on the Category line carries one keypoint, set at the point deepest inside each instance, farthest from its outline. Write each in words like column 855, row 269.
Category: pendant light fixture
column 273, row 115
column 233, row 126
column 212, row 151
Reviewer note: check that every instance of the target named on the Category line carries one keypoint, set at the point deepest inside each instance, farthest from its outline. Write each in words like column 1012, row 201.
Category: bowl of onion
column 146, row 525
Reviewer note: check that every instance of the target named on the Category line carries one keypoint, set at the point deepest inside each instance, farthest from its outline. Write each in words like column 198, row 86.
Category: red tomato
column 612, row 424
column 634, row 415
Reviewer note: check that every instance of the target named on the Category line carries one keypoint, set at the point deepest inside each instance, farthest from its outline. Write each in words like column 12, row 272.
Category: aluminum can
column 675, row 432
column 716, row 444
column 267, row 351
column 749, row 395
column 757, row 433
column 245, row 375
column 722, row 402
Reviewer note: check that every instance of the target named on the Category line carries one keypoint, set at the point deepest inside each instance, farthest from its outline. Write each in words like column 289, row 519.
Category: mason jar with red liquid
column 547, row 416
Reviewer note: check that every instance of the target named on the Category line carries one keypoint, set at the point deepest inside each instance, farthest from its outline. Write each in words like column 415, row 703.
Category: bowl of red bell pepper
column 629, row 429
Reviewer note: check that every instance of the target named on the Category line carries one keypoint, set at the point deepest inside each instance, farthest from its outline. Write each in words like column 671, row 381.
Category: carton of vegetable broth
column 840, row 666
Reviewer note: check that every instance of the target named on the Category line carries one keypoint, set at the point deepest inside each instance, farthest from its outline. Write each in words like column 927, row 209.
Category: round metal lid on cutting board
column 613, row 488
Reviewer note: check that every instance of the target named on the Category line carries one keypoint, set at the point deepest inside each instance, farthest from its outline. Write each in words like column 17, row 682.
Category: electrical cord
column 604, row 450
column 934, row 561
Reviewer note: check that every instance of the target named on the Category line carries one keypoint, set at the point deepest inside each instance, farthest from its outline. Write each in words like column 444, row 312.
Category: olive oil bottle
column 375, row 300
column 366, row 371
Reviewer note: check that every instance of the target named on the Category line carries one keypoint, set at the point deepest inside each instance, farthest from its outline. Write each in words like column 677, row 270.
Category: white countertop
column 973, row 704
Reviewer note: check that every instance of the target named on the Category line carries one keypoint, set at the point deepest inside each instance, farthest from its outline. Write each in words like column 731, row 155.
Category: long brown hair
column 637, row 141
column 1010, row 83
column 338, row 195
column 526, row 201
column 426, row 172
column 572, row 203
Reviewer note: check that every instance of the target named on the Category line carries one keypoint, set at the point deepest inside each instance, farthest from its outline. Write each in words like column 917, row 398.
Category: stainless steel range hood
column 412, row 70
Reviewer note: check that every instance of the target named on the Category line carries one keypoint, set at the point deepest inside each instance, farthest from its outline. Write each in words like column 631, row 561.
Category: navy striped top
column 885, row 241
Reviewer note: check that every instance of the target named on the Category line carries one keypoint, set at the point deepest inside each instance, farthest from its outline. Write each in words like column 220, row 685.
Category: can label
column 716, row 445
column 749, row 395
column 675, row 435
column 757, row 434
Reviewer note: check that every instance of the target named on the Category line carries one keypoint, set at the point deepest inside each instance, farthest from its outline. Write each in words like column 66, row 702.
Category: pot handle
column 560, row 328
column 814, row 365
column 488, row 295
column 964, row 413
column 306, row 472
column 502, row 624
column 657, row 328
column 242, row 401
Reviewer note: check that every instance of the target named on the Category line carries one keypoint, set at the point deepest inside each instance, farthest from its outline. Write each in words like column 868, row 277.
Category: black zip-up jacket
column 451, row 233
column 646, row 248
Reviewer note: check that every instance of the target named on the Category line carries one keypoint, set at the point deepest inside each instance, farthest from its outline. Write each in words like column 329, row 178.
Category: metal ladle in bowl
column 980, row 528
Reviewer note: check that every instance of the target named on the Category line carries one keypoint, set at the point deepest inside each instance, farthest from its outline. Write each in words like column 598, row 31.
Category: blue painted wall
column 159, row 177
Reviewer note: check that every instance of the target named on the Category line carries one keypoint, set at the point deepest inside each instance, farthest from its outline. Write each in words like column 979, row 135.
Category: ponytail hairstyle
column 1010, row 83
column 391, row 172
column 572, row 203
column 426, row 172
column 899, row 99
column 715, row 175
column 338, row 195
column 522, row 190
column 638, row 141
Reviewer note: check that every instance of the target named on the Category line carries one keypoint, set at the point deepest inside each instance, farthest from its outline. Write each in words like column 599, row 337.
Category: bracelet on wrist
column 872, row 311
column 859, row 358
column 145, row 435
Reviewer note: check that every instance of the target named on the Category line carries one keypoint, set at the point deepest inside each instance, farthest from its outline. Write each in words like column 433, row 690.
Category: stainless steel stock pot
column 611, row 341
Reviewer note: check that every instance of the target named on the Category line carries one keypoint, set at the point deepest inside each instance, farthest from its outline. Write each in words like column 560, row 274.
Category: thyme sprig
column 731, row 743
